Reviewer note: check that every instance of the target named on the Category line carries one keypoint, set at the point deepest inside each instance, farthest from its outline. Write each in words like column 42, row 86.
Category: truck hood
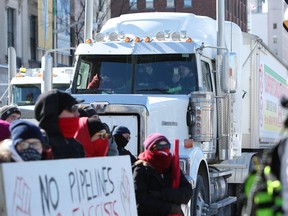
column 144, row 100
column 165, row 113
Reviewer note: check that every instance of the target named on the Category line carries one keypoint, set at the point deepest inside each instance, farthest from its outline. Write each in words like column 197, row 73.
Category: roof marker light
column 99, row 37
column 137, row 39
column 188, row 40
column 147, row 39
column 127, row 39
column 160, row 36
column 22, row 70
column 175, row 36
column 113, row 36
column 88, row 41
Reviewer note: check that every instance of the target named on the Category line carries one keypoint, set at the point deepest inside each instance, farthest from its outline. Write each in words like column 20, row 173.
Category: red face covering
column 159, row 159
column 68, row 126
column 100, row 147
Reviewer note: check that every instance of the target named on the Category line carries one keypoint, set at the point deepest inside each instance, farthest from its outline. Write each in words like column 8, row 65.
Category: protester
column 93, row 136
column 112, row 148
column 10, row 113
column 153, row 180
column 121, row 135
column 4, row 130
column 27, row 143
column 57, row 113
column 266, row 187
column 89, row 111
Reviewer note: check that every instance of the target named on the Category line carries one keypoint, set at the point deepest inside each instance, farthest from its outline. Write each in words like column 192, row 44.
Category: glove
column 155, row 194
column 174, row 90
column 175, row 209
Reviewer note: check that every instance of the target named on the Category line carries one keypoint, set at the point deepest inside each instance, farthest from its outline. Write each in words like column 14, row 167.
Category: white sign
column 85, row 187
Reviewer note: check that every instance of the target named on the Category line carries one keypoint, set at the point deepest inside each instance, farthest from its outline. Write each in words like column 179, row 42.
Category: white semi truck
column 231, row 110
column 26, row 85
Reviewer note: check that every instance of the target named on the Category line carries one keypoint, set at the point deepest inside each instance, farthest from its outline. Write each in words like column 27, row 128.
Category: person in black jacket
column 121, row 135
column 58, row 115
column 152, row 175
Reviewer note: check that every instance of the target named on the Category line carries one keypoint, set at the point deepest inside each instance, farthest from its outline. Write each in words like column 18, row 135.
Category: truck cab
column 113, row 74
column 26, row 85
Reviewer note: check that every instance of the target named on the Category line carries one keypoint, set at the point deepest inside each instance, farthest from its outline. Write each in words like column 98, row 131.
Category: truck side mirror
column 229, row 83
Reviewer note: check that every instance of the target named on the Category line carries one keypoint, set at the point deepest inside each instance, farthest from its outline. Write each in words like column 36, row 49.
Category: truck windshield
column 137, row 74
column 27, row 94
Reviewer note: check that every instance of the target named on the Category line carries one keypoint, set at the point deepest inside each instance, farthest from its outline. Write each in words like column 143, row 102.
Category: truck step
column 215, row 207
column 221, row 173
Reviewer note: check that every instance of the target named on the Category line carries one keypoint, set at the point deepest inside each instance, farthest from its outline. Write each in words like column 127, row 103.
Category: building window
column 33, row 36
column 149, row 4
column 170, row 4
column 274, row 25
column 10, row 26
column 133, row 4
column 187, row 3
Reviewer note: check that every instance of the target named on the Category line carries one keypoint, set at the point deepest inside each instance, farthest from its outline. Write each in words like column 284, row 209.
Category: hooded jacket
column 47, row 109
column 148, row 180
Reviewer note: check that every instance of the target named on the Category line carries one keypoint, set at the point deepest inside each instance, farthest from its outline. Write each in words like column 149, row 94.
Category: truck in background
column 26, row 85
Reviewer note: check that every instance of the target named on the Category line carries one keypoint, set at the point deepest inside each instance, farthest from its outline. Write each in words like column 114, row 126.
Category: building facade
column 235, row 10
column 265, row 19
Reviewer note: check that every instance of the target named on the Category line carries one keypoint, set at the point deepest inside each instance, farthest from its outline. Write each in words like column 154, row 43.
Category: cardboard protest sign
column 90, row 186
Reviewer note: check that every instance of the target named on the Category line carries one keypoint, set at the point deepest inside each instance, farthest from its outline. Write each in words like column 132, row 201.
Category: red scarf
column 159, row 160
column 98, row 148
column 68, row 126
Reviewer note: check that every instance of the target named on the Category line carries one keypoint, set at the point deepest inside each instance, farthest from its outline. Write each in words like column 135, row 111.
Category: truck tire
column 200, row 198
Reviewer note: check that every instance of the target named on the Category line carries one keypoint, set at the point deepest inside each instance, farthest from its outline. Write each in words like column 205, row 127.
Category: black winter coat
column 147, row 179
column 123, row 151
column 47, row 109
column 65, row 148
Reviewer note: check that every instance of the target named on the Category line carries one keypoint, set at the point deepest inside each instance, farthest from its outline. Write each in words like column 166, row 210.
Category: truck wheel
column 200, row 198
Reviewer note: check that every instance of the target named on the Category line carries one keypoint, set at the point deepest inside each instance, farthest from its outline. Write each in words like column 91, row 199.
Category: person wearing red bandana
column 93, row 136
column 57, row 113
column 153, row 180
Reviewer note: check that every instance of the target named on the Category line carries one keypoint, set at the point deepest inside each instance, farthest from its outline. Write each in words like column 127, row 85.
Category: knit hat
column 4, row 130
column 7, row 110
column 94, row 126
column 22, row 130
column 119, row 130
column 53, row 102
column 154, row 138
